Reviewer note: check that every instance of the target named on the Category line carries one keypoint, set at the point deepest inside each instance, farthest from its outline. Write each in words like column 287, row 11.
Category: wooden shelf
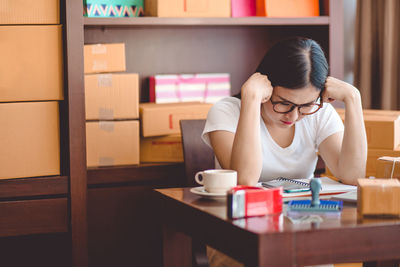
column 245, row 21
column 33, row 187
column 148, row 174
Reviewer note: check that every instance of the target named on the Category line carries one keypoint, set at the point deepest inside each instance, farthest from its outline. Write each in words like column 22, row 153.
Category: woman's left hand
column 336, row 89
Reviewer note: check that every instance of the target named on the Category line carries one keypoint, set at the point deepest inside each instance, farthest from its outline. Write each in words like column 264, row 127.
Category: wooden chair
column 320, row 168
column 198, row 156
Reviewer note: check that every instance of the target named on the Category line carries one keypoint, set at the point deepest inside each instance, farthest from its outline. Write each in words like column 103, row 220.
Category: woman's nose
column 294, row 114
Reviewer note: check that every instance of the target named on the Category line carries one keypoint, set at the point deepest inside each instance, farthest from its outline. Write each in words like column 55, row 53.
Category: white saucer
column 201, row 192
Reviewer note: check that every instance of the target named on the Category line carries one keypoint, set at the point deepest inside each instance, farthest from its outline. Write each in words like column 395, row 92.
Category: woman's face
column 306, row 95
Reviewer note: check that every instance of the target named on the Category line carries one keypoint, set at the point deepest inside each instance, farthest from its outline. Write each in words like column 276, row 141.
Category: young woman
column 284, row 118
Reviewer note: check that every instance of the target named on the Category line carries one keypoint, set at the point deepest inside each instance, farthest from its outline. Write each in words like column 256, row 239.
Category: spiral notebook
column 328, row 187
column 289, row 185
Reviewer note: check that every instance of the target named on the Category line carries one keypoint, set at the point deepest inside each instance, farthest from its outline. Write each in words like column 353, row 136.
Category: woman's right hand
column 257, row 87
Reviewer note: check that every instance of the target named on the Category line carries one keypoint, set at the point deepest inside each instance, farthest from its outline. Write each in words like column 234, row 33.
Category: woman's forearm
column 246, row 157
column 353, row 155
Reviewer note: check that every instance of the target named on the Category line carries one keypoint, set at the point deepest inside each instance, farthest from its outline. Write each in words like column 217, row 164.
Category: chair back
column 197, row 155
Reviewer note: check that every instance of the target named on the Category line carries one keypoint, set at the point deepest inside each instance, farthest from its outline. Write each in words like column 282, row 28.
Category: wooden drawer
column 27, row 217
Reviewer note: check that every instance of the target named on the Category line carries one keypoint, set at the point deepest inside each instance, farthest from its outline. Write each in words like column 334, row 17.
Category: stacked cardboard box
column 112, row 99
column 188, row 8
column 30, row 12
column 287, row 8
column 226, row 8
column 383, row 137
column 166, row 148
column 161, row 141
column 31, row 82
column 31, row 63
column 388, row 166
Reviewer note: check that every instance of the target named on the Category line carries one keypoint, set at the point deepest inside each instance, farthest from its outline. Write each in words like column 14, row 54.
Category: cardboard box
column 382, row 128
column 100, row 58
column 383, row 131
column 372, row 159
column 29, row 12
column 111, row 143
column 188, row 8
column 287, row 8
column 112, row 96
column 161, row 149
column 29, row 139
column 388, row 167
column 372, row 162
column 113, row 8
column 378, row 197
column 163, row 119
column 31, row 66
column 373, row 112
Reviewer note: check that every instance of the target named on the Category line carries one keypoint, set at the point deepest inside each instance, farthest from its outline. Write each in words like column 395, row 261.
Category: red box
column 248, row 201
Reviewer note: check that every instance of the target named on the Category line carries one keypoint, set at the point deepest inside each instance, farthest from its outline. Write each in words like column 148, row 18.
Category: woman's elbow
column 351, row 176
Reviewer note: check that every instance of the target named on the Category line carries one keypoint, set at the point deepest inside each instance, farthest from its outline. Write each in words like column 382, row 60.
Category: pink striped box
column 243, row 8
column 204, row 87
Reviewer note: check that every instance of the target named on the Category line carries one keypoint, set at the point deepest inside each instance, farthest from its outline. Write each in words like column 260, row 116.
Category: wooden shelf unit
column 42, row 209
column 144, row 174
column 39, row 210
column 123, row 195
column 182, row 45
column 249, row 21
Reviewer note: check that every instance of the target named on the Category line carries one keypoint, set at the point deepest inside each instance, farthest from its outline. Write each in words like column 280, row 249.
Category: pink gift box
column 243, row 8
column 205, row 87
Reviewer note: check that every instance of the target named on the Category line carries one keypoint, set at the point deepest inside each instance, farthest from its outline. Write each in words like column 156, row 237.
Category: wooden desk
column 273, row 240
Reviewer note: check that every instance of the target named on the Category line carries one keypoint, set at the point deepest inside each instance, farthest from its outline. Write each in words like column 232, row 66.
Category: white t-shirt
column 295, row 161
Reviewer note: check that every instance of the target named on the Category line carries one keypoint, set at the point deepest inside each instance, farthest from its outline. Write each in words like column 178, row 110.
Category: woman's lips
column 287, row 122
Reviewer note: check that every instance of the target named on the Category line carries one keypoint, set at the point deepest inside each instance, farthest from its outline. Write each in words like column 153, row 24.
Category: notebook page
column 329, row 186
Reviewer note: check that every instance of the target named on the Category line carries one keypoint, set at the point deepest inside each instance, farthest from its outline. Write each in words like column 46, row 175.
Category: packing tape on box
column 99, row 65
column 104, row 80
column 106, row 161
column 390, row 159
column 99, row 49
column 106, row 113
column 107, row 126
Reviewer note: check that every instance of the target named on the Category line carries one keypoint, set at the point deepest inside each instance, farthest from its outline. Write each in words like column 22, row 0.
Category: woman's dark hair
column 295, row 63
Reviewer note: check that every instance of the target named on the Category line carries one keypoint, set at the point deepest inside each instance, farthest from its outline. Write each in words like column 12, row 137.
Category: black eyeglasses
column 284, row 107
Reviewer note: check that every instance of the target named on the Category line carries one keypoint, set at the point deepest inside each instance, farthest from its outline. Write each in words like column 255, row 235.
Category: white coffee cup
column 217, row 181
